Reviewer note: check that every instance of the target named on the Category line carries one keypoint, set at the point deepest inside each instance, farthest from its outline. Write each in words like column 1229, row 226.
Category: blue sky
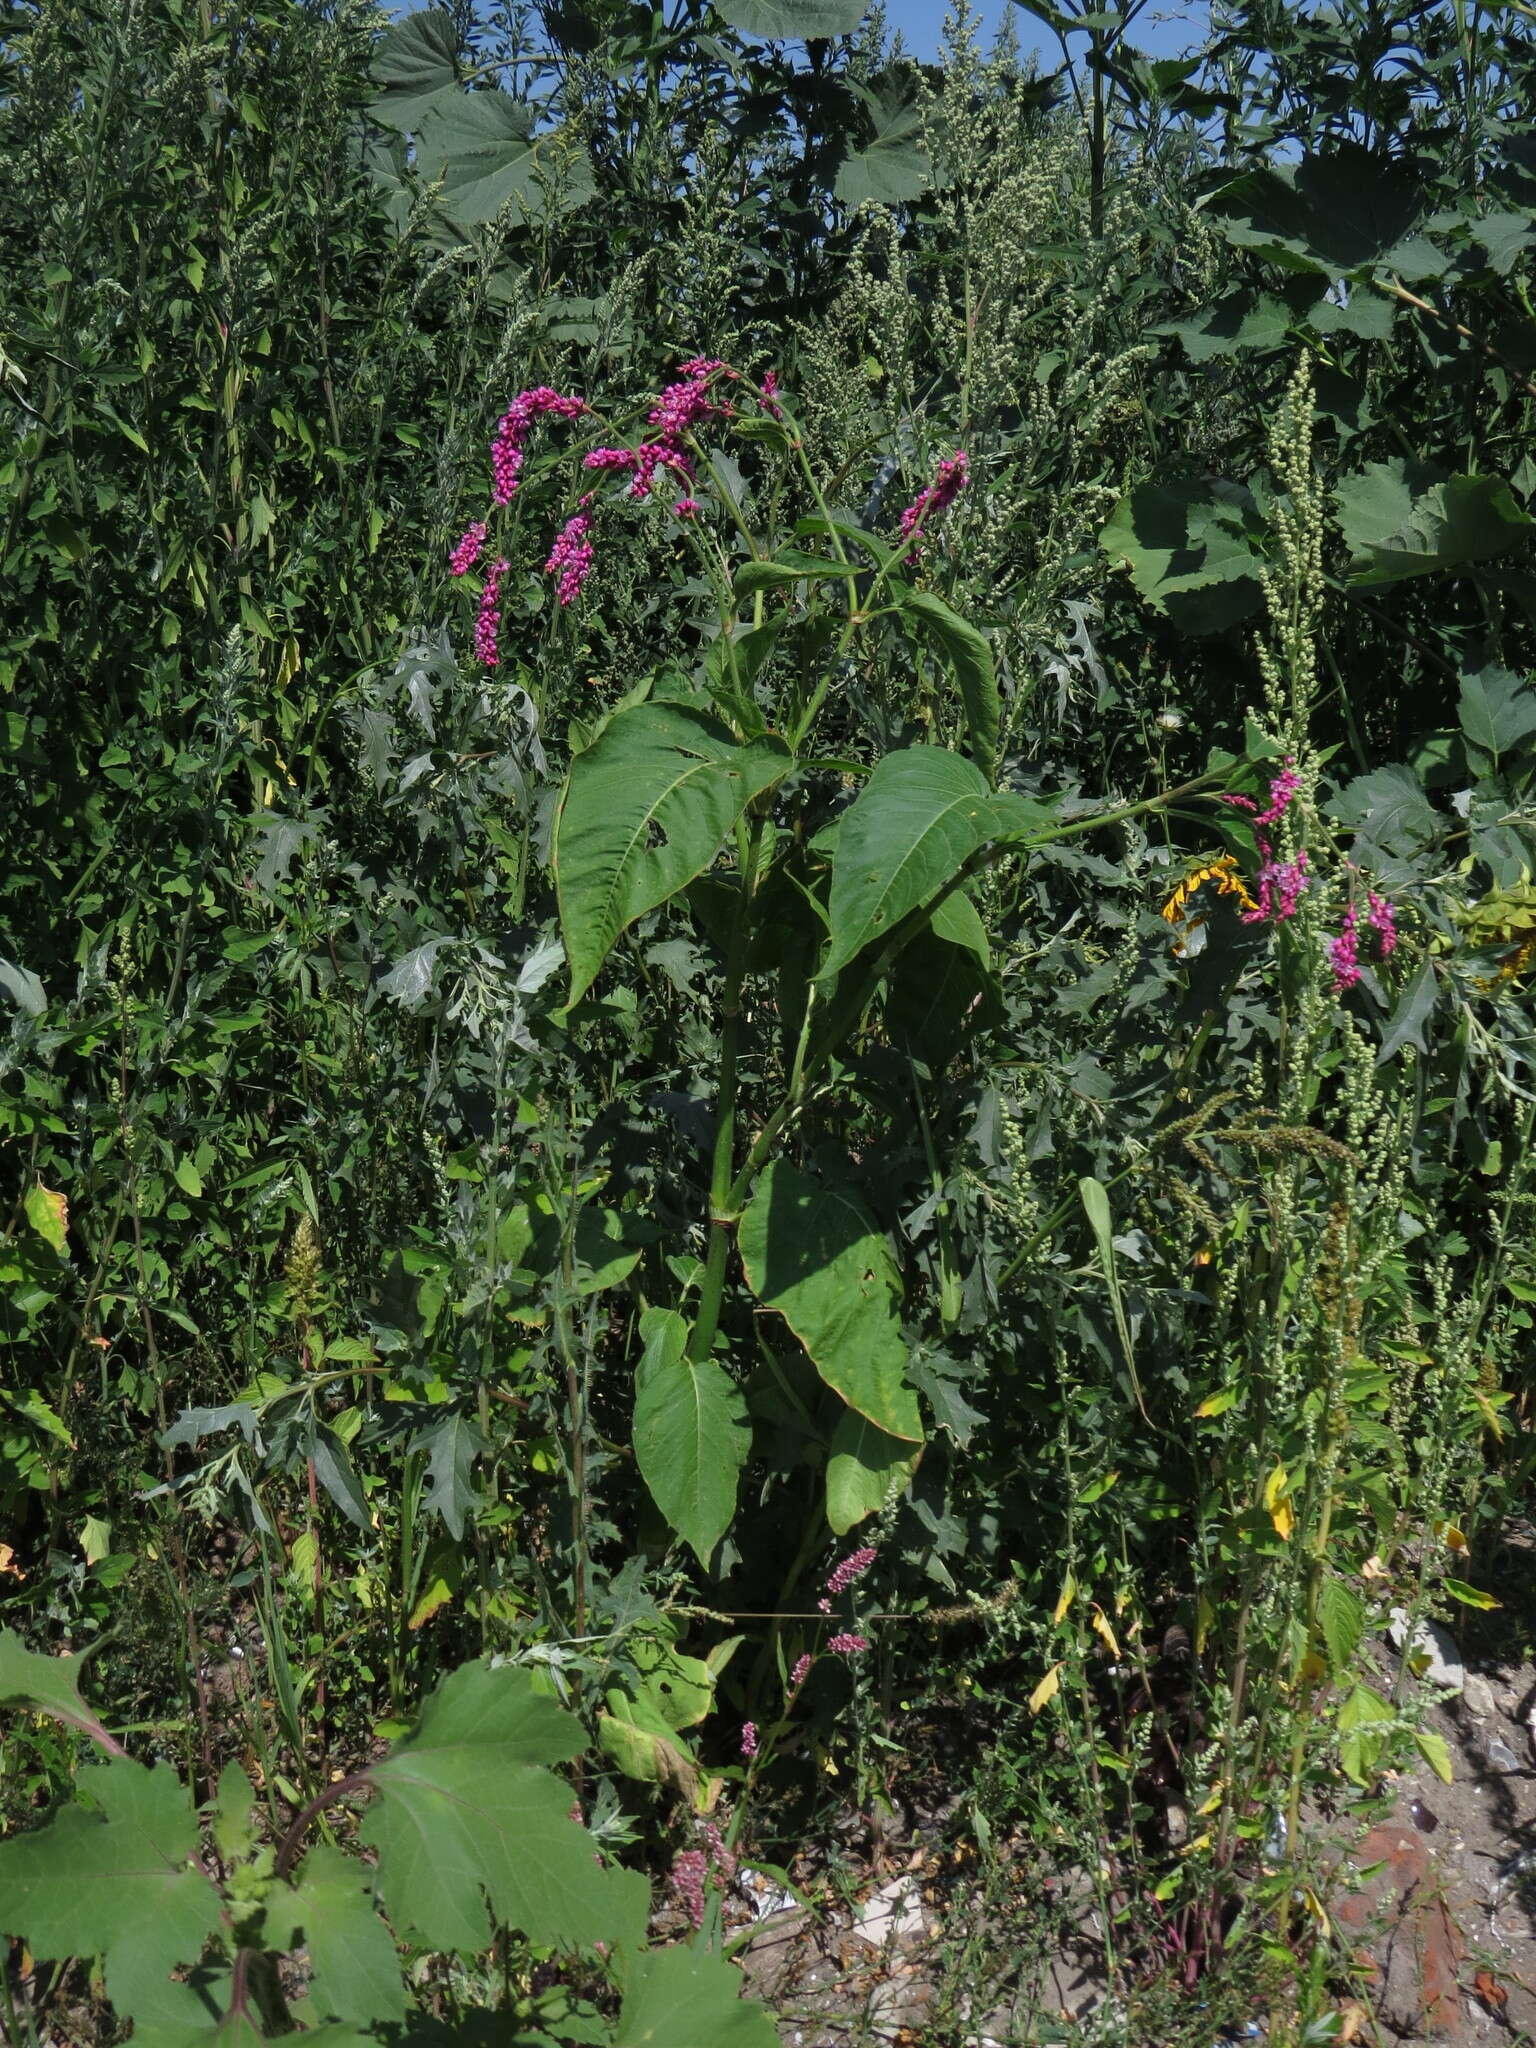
column 1165, row 29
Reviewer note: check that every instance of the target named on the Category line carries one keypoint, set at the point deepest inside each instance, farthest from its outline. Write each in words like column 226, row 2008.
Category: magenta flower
column 801, row 1672
column 689, row 1870
column 686, row 508
column 770, row 392
column 846, row 1645
column 467, row 553
column 749, row 1738
column 571, row 556
column 488, row 619
column 1382, row 919
column 1344, row 953
column 1281, row 791
column 1280, row 886
column 512, row 434
column 951, row 479
column 854, row 1566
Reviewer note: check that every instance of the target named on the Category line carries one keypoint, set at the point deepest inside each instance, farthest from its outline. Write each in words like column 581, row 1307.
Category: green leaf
column 1241, row 320
column 1406, row 519
column 910, row 830
column 333, row 1469
column 1095, row 1200
column 1388, row 810
column 805, row 21
column 894, row 168
column 1435, row 1752
column 685, row 1997
column 692, row 1434
column 234, row 1835
column 418, row 53
column 354, row 1971
column 645, row 810
column 1498, row 713
column 1410, row 1020
column 1193, row 550
column 452, row 1443
column 117, row 1883
column 1341, row 1617
column 51, row 1685
column 1336, row 214
column 813, row 1254
column 478, row 148
column 467, row 1814
column 1469, row 1596
column 48, row 1214
column 783, row 570
column 865, row 1469
column 970, row 659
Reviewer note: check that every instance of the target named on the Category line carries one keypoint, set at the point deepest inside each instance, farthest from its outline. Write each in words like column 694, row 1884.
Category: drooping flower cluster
column 571, row 556
column 467, row 553
column 931, row 503
column 1344, row 950
column 1280, row 883
column 512, row 434
column 677, row 412
column 488, row 618
column 1382, row 919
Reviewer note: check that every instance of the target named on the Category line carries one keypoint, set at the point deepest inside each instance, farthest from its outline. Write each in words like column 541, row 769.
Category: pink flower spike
column 1281, row 792
column 1382, row 919
column 689, row 1870
column 686, row 508
column 571, row 556
column 610, row 458
column 467, row 553
column 749, row 1738
column 770, row 393
column 847, row 1645
column 488, row 618
column 1343, row 953
column 950, row 480
column 1230, row 796
column 801, row 1672
column 854, row 1566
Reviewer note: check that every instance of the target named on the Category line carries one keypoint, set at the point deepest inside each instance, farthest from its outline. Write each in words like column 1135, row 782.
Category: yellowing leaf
column 1453, row 1539
column 1046, row 1690
column 1277, row 1500
column 1217, row 1403
column 1103, row 1631
column 1433, row 1749
column 1469, row 1596
column 1068, row 1591
column 48, row 1214
column 8, row 1565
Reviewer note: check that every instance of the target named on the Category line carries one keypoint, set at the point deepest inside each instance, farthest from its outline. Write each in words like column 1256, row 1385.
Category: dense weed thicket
column 765, row 957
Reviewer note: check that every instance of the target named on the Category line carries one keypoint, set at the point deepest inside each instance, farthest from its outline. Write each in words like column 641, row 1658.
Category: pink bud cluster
column 854, row 1566
column 770, row 393
column 512, row 434
column 749, row 1738
column 1280, row 883
column 1344, row 950
column 799, row 1674
column 690, row 1867
column 488, row 618
column 467, row 553
column 931, row 503
column 680, row 408
column 571, row 556
column 846, row 1645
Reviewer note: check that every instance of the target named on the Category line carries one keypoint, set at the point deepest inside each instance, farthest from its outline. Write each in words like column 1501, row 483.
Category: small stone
column 1432, row 1654
column 1477, row 1696
column 895, row 1912
column 1500, row 1756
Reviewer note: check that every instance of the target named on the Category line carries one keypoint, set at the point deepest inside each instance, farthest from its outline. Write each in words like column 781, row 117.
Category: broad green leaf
column 1240, row 320
column 452, row 1443
column 692, row 1434
column 894, row 167
column 813, row 1253
column 784, row 570
column 645, row 810
column 467, row 1814
column 48, row 1214
column 1193, row 549
column 1410, row 1020
column 1334, row 214
column 478, row 148
column 1341, row 1617
column 234, row 1803
column 686, row 1997
column 970, row 659
column 865, row 1469
column 645, row 1748
column 1388, row 810
column 1406, row 519
column 1436, row 1753
column 117, row 1883
column 333, row 1469
column 911, row 829
column 1498, row 713
column 805, row 21
column 354, row 1971
column 418, row 53
column 51, row 1685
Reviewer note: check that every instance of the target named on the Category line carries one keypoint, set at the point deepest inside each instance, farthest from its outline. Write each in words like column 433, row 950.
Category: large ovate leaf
column 1388, row 810
column 804, row 21
column 418, row 53
column 814, row 1255
column 686, row 1997
column 469, row 1823
column 894, row 167
column 970, row 661
column 354, row 1971
column 117, row 1882
column 49, row 1684
column 1334, row 214
column 1192, row 549
column 1408, row 519
column 1497, row 712
column 865, row 1468
column 691, row 1431
column 645, row 810
column 909, row 832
